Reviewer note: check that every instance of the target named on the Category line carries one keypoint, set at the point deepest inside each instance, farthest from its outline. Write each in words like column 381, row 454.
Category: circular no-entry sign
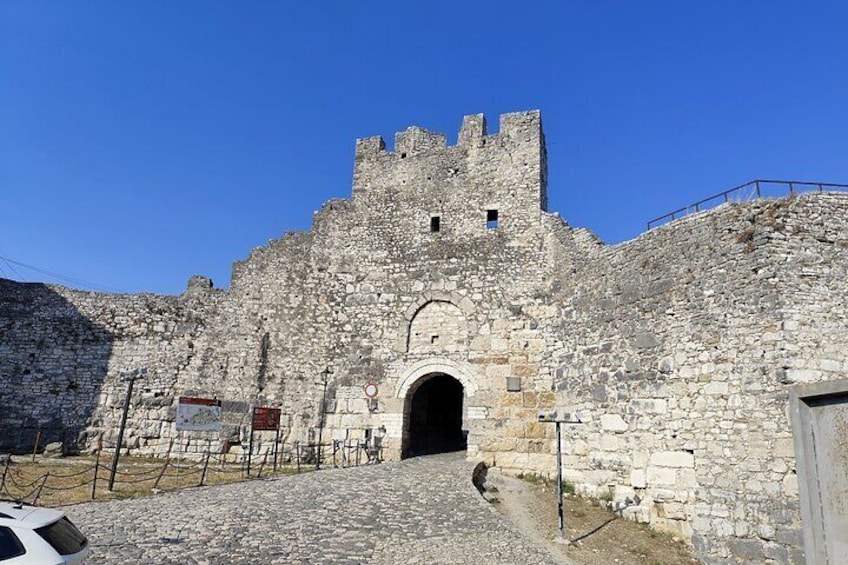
column 371, row 390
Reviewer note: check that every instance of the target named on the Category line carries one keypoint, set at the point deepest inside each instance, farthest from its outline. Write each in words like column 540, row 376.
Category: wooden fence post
column 162, row 472
column 41, row 486
column 205, row 465
column 262, row 465
column 5, row 472
column 35, row 447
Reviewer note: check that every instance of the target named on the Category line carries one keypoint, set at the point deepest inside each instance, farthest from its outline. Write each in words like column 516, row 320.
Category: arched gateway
column 433, row 412
column 435, row 394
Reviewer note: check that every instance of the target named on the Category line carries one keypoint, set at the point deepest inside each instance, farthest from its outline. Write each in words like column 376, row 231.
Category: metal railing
column 758, row 188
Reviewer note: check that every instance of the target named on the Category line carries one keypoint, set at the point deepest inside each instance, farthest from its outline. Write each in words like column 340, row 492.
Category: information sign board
column 265, row 418
column 198, row 414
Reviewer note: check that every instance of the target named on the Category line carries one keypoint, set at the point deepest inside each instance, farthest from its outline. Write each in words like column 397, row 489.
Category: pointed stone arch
column 462, row 303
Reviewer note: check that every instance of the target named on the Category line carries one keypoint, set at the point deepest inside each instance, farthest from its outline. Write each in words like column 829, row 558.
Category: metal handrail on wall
column 755, row 189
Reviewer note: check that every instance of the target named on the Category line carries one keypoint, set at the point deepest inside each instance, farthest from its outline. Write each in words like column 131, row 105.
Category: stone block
column 535, row 430
column 525, row 370
column 715, row 388
column 784, row 447
column 831, row 365
column 671, row 510
column 638, row 478
column 790, row 485
column 613, row 423
column 673, row 459
column 499, row 344
column 578, row 447
column 54, row 449
column 721, row 527
column 661, row 476
column 648, row 406
column 645, row 340
column 686, row 479
column 609, row 442
column 746, row 550
column 356, row 406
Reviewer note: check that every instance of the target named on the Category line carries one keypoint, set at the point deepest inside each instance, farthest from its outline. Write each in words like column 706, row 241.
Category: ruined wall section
column 62, row 353
column 810, row 237
column 678, row 349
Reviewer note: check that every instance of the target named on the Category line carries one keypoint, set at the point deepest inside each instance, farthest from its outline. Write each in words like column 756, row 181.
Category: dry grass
column 56, row 482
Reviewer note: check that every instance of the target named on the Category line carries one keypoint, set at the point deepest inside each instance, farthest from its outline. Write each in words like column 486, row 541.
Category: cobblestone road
column 422, row 510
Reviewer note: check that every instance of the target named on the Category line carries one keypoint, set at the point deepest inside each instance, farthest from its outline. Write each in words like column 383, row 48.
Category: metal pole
column 276, row 445
column 94, row 481
column 250, row 449
column 326, row 375
column 121, row 432
column 559, row 481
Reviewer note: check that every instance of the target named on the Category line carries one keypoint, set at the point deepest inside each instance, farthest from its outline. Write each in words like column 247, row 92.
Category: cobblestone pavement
column 423, row 510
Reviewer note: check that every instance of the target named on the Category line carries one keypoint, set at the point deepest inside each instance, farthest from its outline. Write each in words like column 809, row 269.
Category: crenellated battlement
column 513, row 127
column 507, row 164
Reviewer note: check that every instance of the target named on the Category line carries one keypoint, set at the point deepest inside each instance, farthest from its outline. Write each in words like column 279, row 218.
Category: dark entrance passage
column 435, row 417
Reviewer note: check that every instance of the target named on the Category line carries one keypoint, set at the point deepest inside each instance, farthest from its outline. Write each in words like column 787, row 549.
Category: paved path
column 423, row 510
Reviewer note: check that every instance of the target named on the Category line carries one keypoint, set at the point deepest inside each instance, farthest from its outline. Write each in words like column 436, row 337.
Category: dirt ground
column 68, row 480
column 598, row 536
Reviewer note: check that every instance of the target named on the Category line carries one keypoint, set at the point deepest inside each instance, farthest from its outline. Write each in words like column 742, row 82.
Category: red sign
column 371, row 390
column 200, row 401
column 265, row 418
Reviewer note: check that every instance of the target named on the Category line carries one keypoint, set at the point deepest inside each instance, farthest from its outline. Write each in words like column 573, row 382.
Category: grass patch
column 544, row 481
column 56, row 482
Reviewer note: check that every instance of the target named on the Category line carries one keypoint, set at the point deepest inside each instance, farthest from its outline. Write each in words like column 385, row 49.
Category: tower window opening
column 491, row 219
column 435, row 224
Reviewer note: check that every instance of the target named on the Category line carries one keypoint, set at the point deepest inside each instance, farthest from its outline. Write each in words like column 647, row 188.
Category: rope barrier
column 65, row 488
column 177, row 475
column 88, row 470
column 138, row 474
column 16, row 485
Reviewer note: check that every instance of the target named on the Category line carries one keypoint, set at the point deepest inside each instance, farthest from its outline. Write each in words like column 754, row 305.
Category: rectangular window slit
column 491, row 219
column 435, row 224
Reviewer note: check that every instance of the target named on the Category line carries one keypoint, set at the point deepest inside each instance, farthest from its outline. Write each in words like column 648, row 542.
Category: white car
column 38, row 536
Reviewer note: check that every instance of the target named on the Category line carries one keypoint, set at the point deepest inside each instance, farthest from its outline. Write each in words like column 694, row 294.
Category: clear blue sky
column 143, row 142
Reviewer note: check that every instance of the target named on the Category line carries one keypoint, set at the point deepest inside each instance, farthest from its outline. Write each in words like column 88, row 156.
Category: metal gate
column 820, row 423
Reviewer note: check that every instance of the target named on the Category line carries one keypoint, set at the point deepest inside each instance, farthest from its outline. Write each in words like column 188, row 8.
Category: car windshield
column 63, row 536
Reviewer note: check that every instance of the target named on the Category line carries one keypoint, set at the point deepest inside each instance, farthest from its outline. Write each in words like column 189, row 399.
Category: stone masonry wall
column 677, row 348
column 62, row 354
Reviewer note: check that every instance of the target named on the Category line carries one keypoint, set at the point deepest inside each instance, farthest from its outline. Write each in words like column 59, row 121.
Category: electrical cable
column 71, row 280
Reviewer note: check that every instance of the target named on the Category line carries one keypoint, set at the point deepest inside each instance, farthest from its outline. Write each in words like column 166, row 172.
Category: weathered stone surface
column 54, row 449
column 613, row 423
column 673, row 459
column 677, row 348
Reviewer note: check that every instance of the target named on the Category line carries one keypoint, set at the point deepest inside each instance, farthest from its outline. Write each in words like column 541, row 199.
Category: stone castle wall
column 677, row 348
